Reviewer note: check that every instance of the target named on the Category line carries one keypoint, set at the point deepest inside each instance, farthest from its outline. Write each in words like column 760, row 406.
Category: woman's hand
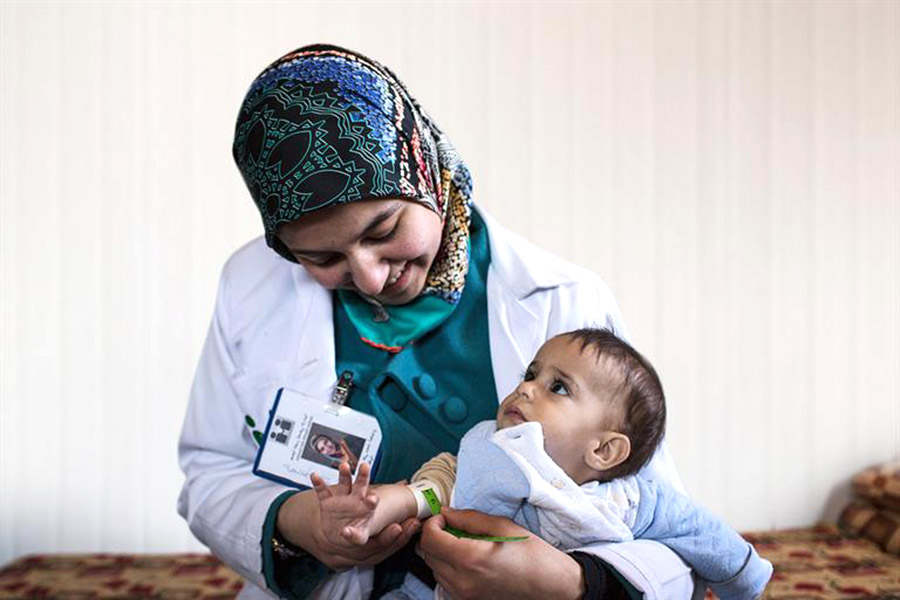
column 477, row 569
column 300, row 522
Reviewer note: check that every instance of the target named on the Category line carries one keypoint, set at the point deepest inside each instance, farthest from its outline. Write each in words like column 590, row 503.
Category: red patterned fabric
column 821, row 562
column 811, row 564
column 116, row 576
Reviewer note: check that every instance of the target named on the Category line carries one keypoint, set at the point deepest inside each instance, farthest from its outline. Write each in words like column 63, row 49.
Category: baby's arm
column 714, row 550
column 351, row 513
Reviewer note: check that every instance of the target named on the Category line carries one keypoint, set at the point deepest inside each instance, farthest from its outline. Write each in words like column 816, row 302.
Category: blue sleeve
column 714, row 550
column 487, row 480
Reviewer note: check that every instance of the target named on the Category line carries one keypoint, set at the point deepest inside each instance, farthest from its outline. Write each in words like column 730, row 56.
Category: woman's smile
column 399, row 283
column 393, row 279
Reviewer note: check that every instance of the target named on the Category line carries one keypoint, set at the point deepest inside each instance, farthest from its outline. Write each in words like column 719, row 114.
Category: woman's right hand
column 299, row 522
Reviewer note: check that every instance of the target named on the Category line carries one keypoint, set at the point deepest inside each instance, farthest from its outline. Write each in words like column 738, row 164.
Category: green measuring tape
column 435, row 506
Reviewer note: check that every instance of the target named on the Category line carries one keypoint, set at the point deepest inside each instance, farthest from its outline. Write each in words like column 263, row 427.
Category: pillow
column 882, row 526
column 880, row 485
column 875, row 513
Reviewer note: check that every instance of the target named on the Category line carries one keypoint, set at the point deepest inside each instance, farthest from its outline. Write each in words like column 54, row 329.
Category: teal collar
column 402, row 324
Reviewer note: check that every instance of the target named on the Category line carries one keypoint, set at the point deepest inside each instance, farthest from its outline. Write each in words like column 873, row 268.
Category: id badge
column 308, row 435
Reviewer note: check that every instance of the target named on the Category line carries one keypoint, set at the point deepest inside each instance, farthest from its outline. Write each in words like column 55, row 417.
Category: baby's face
column 569, row 392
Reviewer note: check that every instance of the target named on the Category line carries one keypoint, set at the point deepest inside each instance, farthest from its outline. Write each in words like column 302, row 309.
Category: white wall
column 731, row 168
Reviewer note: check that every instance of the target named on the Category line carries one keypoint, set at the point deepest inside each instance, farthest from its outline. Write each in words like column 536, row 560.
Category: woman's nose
column 368, row 272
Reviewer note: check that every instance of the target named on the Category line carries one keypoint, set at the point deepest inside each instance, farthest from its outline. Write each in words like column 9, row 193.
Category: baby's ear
column 608, row 450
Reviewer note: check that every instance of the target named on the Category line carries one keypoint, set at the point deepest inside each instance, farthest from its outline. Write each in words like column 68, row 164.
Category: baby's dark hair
column 639, row 391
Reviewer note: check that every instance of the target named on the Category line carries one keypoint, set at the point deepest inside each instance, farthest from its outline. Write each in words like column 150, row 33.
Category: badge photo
column 308, row 435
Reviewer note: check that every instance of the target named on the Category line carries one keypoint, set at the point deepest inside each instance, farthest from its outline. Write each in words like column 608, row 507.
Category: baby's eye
column 528, row 375
column 558, row 387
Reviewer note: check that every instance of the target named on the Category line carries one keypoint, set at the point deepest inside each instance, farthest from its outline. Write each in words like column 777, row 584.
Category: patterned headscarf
column 323, row 126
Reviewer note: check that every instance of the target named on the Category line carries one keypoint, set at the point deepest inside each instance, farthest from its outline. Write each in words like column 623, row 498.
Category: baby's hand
column 346, row 510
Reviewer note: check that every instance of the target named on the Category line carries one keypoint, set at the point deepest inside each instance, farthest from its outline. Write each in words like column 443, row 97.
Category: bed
column 818, row 562
column 861, row 559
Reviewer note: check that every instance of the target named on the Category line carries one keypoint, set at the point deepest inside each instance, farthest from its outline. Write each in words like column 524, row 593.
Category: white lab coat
column 272, row 327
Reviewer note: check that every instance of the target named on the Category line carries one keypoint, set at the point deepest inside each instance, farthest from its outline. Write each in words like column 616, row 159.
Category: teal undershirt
column 427, row 396
column 407, row 322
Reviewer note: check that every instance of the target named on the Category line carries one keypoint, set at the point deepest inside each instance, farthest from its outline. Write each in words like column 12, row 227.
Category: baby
column 562, row 460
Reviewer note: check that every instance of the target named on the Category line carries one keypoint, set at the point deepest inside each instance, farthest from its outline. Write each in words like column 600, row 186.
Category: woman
column 384, row 271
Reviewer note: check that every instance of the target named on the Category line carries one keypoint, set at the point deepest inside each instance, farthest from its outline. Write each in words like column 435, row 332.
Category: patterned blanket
column 821, row 562
column 109, row 576
column 815, row 563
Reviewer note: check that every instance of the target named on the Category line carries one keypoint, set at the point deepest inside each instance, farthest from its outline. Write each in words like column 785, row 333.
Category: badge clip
column 342, row 389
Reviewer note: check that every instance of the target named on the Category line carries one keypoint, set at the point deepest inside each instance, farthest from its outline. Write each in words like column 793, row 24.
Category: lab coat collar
column 314, row 322
column 522, row 267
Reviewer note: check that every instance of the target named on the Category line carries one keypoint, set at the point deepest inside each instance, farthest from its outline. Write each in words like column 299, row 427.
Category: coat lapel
column 314, row 323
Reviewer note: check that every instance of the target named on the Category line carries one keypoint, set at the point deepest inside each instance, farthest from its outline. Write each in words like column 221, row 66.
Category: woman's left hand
column 469, row 568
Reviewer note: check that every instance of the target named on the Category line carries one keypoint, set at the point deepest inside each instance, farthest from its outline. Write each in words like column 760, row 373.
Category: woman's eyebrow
column 373, row 224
